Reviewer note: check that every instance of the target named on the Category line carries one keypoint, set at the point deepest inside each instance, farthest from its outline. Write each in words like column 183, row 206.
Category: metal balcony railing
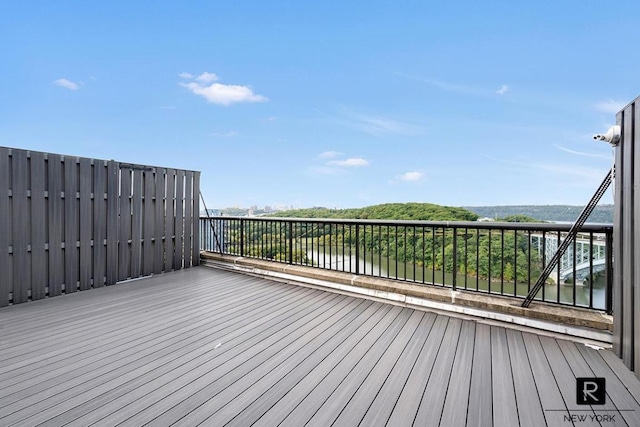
column 490, row 257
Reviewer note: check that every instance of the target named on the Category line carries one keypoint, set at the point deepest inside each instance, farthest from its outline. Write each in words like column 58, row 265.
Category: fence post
column 290, row 227
column 455, row 259
column 357, row 248
column 241, row 237
column 609, row 264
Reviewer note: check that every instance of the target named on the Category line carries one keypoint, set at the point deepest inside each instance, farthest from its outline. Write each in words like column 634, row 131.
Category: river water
column 381, row 266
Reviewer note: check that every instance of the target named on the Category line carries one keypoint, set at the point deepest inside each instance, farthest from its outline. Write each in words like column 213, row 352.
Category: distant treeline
column 562, row 213
column 508, row 253
column 395, row 211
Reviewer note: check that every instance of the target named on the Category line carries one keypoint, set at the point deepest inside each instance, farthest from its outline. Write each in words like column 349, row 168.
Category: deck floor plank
column 213, row 347
column 115, row 348
column 359, row 403
column 581, row 369
column 456, row 403
column 480, row 406
column 146, row 388
column 566, row 380
column 408, row 403
column 295, row 383
column 219, row 403
column 382, row 406
column 337, row 401
column 336, row 384
column 432, row 404
column 530, row 411
column 616, row 390
column 77, row 388
column 328, row 372
column 505, row 410
column 152, row 367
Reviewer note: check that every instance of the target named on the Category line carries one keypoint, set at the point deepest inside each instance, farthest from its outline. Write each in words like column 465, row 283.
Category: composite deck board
column 382, row 405
column 339, row 398
column 565, row 380
column 105, row 314
column 480, row 406
column 140, row 391
column 210, row 347
column 528, row 401
column 432, row 403
column 37, row 354
column 220, row 409
column 86, row 388
column 102, row 315
column 327, row 374
column 456, row 404
column 156, row 339
column 581, row 369
column 505, row 411
column 158, row 374
column 616, row 390
column 357, row 405
column 325, row 389
column 408, row 402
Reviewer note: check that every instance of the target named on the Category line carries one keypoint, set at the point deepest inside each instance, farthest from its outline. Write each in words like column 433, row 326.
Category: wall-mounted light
column 612, row 136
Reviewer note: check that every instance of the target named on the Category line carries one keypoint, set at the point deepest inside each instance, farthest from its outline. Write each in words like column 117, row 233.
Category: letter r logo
column 591, row 391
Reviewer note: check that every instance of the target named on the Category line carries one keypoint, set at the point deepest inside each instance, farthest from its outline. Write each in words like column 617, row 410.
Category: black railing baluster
column 609, row 271
column 454, row 261
column 357, row 248
column 501, row 262
column 489, row 265
column 591, row 278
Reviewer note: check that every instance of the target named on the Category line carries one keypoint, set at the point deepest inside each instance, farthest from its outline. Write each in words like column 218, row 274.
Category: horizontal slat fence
column 69, row 223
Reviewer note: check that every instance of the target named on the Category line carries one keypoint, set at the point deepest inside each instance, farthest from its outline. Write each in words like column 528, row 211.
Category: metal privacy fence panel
column 69, row 223
column 626, row 320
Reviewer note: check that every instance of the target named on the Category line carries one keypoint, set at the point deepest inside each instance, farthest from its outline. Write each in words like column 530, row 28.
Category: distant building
column 485, row 219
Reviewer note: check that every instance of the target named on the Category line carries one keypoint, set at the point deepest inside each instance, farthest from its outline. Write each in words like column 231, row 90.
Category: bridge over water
column 586, row 256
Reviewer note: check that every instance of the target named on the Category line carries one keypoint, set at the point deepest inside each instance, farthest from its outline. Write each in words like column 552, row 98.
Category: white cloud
column 378, row 126
column 585, row 173
column 610, row 106
column 206, row 78
column 447, row 86
column 227, row 134
column 329, row 155
column 352, row 162
column 219, row 93
column 580, row 153
column 224, row 94
column 411, row 176
column 503, row 89
column 66, row 84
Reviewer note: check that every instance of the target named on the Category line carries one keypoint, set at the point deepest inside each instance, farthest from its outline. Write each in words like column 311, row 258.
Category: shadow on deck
column 203, row 346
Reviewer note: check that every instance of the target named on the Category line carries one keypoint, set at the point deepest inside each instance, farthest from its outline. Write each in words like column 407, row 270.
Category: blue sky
column 324, row 103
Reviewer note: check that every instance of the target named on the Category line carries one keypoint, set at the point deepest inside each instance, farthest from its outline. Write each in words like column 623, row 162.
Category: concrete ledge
column 577, row 322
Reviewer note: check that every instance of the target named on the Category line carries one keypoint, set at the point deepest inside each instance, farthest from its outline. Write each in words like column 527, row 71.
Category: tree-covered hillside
column 399, row 211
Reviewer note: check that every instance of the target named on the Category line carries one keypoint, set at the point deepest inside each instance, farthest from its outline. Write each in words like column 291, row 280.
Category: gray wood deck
column 208, row 347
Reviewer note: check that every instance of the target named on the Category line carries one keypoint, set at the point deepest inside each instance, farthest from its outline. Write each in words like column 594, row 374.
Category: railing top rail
column 527, row 226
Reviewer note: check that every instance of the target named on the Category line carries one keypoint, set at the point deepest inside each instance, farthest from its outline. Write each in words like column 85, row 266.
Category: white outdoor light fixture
column 612, row 136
